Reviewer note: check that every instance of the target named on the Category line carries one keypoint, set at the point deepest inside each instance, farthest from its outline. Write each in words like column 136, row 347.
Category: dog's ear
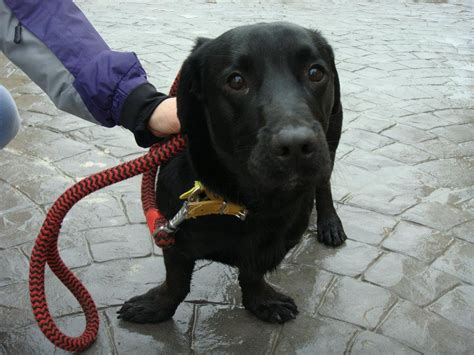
column 323, row 44
column 337, row 106
column 337, row 88
column 200, row 41
column 190, row 109
column 333, row 133
column 334, row 129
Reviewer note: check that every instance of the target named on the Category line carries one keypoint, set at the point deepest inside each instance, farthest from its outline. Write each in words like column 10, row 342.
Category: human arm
column 61, row 51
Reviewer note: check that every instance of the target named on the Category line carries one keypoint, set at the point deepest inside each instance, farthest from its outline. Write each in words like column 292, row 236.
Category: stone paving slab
column 403, row 185
column 457, row 305
column 357, row 302
column 166, row 338
column 352, row 259
column 458, row 261
column 425, row 331
column 371, row 343
column 315, row 336
column 410, row 279
column 417, row 241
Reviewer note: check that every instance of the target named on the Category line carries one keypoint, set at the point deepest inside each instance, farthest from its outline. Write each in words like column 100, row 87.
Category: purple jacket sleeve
column 103, row 78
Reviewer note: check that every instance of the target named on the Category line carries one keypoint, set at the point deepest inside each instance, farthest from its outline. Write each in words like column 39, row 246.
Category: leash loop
column 45, row 250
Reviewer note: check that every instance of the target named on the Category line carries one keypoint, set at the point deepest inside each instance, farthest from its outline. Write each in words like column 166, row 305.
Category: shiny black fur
column 230, row 134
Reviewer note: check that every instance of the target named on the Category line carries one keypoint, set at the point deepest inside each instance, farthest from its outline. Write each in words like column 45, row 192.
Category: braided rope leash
column 45, row 250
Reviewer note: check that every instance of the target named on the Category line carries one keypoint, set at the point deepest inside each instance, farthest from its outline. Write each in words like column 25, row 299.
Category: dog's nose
column 294, row 143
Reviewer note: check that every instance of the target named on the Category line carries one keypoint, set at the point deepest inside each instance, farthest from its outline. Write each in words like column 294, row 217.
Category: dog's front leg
column 330, row 230
column 160, row 303
column 263, row 301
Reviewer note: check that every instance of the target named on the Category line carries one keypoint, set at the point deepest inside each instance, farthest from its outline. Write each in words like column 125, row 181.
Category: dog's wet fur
column 261, row 108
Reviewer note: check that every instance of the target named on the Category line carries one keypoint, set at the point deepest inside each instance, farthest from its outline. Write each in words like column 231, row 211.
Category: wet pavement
column 403, row 182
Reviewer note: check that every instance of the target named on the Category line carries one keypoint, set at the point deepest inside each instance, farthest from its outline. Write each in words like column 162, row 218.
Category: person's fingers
column 164, row 120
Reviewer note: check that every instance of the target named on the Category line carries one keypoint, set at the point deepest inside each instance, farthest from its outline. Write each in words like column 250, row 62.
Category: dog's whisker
column 244, row 150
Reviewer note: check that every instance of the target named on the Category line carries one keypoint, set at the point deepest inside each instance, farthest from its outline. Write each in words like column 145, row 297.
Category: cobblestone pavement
column 403, row 181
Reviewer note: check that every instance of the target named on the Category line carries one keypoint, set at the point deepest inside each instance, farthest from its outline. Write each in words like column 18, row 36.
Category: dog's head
column 256, row 102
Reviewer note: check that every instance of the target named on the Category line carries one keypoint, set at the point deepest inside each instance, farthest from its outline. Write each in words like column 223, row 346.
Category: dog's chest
column 257, row 243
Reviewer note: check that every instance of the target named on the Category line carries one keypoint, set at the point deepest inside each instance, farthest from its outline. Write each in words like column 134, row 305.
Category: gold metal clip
column 194, row 191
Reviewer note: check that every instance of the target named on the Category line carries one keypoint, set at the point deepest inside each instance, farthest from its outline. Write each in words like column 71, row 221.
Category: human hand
column 164, row 120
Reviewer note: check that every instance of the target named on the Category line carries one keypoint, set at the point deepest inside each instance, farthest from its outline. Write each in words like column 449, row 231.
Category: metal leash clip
column 173, row 224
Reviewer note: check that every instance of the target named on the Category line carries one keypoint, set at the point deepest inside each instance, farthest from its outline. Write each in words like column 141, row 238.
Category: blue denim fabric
column 9, row 117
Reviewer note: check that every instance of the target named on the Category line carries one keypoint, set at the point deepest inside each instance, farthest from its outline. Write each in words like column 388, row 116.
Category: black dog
column 261, row 108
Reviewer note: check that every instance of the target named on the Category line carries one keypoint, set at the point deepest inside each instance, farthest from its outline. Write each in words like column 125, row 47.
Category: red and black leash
column 46, row 250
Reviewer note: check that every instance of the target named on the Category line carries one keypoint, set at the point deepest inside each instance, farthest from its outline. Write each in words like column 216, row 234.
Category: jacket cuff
column 137, row 110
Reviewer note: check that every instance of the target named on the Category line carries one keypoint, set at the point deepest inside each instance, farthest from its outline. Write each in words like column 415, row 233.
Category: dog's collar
column 202, row 202
column 199, row 201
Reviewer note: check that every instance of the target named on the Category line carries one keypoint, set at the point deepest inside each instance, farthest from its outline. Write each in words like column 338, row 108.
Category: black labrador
column 261, row 108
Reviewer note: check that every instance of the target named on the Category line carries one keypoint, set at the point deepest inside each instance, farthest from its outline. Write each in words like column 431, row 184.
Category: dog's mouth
column 276, row 178
column 296, row 182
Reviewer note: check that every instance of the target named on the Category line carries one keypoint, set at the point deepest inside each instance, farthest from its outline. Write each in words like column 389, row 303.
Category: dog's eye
column 236, row 81
column 315, row 73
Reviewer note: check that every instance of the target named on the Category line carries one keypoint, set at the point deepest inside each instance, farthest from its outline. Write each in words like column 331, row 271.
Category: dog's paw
column 330, row 230
column 146, row 308
column 277, row 308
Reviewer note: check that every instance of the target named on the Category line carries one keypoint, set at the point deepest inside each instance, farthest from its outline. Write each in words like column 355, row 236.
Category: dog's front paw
column 146, row 308
column 330, row 230
column 274, row 308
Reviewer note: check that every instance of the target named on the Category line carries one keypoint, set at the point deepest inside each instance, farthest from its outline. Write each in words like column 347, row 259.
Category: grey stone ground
column 402, row 283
